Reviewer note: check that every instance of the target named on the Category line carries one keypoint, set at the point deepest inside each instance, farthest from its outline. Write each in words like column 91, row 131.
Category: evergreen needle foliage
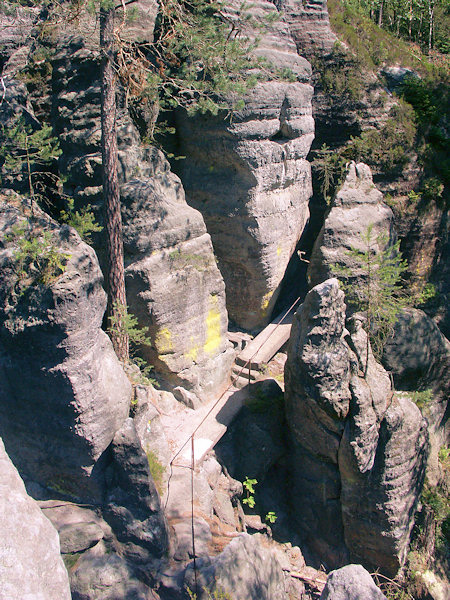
column 380, row 296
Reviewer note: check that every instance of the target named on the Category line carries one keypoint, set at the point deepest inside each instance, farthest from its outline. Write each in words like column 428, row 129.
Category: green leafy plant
column 271, row 517
column 329, row 166
column 27, row 154
column 422, row 398
column 249, row 486
column 217, row 593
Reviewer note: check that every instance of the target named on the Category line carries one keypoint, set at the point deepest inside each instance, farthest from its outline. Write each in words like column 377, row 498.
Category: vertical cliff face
column 174, row 286
column 250, row 179
column 359, row 452
column 309, row 26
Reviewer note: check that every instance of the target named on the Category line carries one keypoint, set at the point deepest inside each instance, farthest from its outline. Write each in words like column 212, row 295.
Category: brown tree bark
column 115, row 275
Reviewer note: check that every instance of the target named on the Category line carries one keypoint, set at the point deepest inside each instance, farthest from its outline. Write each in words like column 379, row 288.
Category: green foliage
column 83, row 220
column 390, row 147
column 37, row 259
column 380, row 296
column 26, row 153
column 211, row 594
column 157, row 470
column 271, row 517
column 70, row 560
column 438, row 502
column 329, row 166
column 200, row 58
column 122, row 322
column 423, row 397
column 249, row 486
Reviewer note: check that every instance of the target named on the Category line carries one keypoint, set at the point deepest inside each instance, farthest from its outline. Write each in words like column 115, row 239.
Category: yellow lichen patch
column 192, row 353
column 163, row 341
column 279, row 250
column 265, row 303
column 213, row 336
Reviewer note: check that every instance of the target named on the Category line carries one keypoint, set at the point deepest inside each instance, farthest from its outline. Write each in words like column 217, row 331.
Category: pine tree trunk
column 115, row 276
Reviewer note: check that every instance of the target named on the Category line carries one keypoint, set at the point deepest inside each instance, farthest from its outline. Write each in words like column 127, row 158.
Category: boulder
column 106, row 576
column 30, row 562
column 351, row 582
column 250, row 179
column 358, row 453
column 247, row 568
column 173, row 284
column 133, row 507
column 417, row 353
column 357, row 205
column 63, row 393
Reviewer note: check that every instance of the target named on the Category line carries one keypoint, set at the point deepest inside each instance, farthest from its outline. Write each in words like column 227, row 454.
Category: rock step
column 267, row 343
column 240, row 382
column 244, row 373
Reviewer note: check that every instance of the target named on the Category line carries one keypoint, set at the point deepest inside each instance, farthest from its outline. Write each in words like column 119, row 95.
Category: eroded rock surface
column 30, row 562
column 352, row 582
column 359, row 453
column 358, row 205
column 173, row 284
column 250, row 178
column 245, row 569
column 63, row 392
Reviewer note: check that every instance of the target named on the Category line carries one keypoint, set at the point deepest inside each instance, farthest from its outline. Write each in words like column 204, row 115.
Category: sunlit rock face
column 358, row 452
column 250, row 179
column 173, row 283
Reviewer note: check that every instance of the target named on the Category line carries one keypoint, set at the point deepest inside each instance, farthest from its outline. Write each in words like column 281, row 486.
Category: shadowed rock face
column 359, row 453
column 251, row 181
column 63, row 392
column 30, row 562
column 357, row 205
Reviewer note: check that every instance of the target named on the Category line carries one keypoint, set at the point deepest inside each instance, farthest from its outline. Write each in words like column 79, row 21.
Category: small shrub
column 83, row 221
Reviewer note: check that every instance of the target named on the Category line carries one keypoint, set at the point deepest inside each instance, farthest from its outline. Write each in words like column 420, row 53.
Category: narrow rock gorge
column 217, row 462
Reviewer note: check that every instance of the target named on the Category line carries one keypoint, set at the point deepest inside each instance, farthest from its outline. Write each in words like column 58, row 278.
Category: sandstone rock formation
column 173, row 284
column 359, row 453
column 352, row 582
column 417, row 352
column 357, row 205
column 30, row 562
column 309, row 25
column 63, row 392
column 250, row 179
column 133, row 507
column 245, row 569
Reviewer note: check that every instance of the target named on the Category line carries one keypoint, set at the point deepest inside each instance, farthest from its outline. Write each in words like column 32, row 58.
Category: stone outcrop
column 358, row 452
column 133, row 507
column 30, row 562
column 309, row 25
column 352, row 582
column 63, row 392
column 357, row 205
column 417, row 352
column 250, row 179
column 245, row 569
column 173, row 284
